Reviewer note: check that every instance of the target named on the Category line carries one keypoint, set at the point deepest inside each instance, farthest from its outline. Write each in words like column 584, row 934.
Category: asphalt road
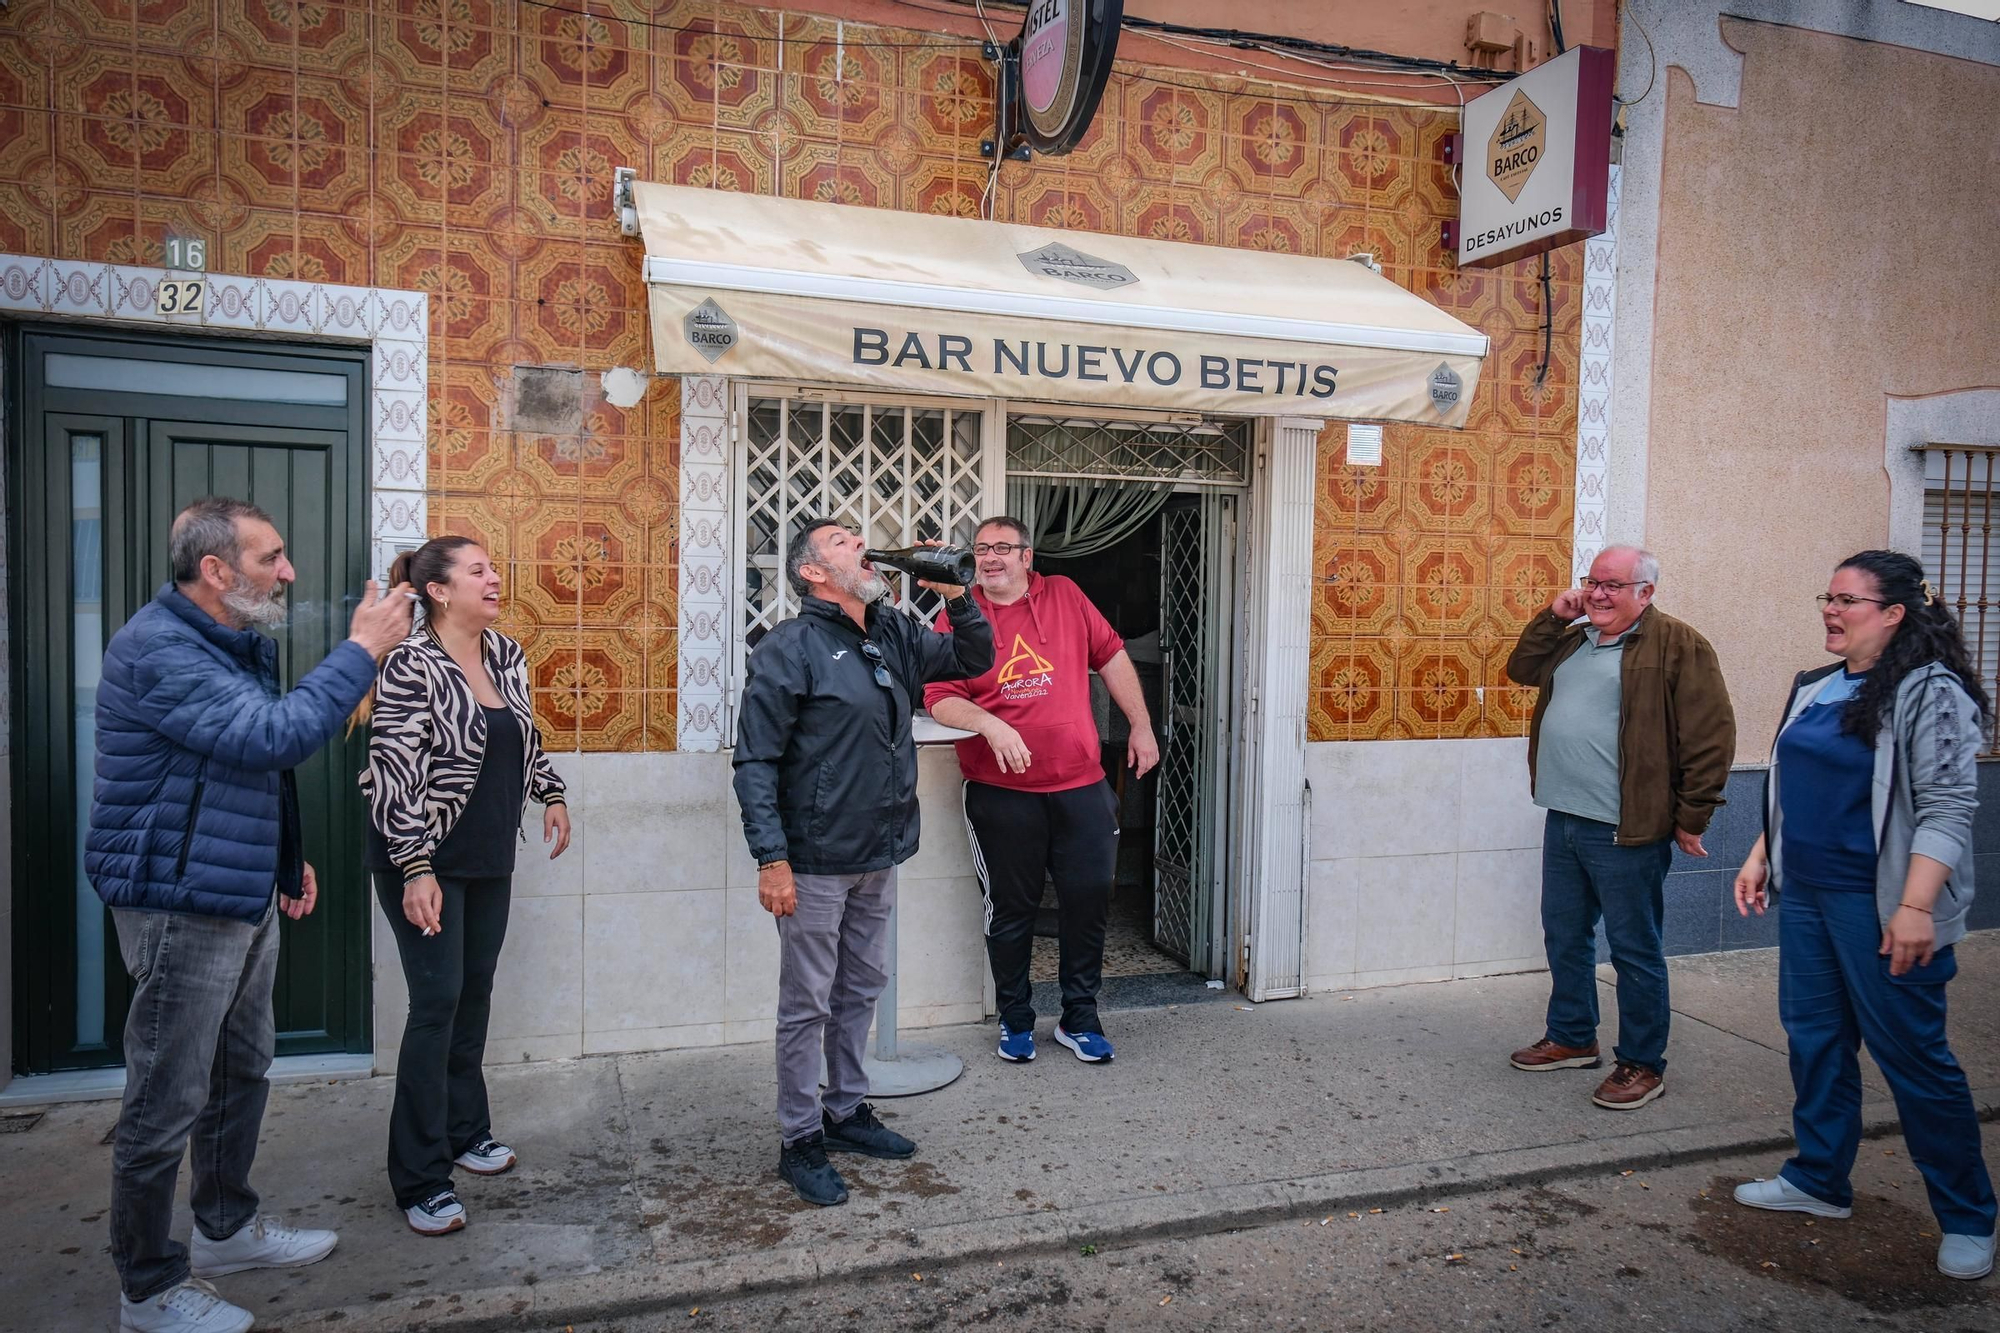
column 1664, row 1250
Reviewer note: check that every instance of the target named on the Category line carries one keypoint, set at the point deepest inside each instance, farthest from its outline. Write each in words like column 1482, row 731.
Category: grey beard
column 249, row 608
column 862, row 585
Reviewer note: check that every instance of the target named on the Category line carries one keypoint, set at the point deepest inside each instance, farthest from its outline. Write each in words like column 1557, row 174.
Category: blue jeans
column 1585, row 875
column 1834, row 992
column 198, row 1043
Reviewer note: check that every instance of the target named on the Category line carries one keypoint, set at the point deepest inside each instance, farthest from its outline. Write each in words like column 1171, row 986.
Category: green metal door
column 111, row 436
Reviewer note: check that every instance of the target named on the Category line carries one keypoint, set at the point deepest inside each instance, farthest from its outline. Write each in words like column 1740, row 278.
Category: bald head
column 1620, row 588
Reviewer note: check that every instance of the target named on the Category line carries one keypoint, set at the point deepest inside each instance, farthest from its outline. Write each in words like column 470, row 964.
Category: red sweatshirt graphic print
column 1044, row 648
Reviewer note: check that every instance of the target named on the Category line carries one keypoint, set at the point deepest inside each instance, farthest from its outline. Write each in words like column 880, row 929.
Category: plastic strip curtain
column 1069, row 518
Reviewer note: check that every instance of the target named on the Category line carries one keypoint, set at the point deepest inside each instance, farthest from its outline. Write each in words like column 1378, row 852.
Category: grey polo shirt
column 1576, row 761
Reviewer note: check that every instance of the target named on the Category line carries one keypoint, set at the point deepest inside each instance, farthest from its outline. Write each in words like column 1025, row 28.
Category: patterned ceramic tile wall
column 464, row 149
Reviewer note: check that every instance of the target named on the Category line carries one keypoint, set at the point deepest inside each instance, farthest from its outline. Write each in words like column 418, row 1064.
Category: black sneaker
column 863, row 1133
column 804, row 1167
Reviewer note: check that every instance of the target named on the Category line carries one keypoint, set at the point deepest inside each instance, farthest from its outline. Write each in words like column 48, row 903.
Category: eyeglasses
column 1842, row 602
column 1611, row 587
column 1002, row 549
column 874, row 654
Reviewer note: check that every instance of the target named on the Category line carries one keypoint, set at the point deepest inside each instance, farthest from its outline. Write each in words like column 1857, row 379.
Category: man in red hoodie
column 1036, row 800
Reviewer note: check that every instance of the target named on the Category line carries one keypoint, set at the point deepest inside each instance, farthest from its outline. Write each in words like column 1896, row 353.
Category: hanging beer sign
column 1538, row 160
column 1064, row 57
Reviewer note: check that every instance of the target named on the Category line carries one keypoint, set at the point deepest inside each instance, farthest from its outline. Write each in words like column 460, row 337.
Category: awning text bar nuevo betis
column 759, row 287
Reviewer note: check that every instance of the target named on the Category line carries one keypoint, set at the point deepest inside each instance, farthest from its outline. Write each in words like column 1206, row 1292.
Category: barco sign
column 1537, row 160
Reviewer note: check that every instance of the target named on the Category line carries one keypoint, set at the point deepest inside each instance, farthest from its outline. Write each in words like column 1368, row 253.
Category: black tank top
column 481, row 844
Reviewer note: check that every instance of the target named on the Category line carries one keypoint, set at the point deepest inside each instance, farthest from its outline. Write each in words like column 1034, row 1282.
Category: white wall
column 1426, row 862
column 647, row 933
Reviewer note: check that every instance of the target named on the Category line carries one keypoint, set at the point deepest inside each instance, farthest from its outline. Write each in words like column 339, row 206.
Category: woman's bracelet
column 1914, row 908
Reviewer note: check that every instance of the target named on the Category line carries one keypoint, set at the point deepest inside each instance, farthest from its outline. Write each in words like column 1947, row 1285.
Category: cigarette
column 430, row 930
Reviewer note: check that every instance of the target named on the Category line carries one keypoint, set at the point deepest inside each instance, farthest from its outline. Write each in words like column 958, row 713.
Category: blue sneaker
column 1092, row 1048
column 1018, row 1047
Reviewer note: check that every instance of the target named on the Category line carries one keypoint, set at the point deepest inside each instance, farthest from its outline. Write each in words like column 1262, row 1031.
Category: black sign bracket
column 1006, row 62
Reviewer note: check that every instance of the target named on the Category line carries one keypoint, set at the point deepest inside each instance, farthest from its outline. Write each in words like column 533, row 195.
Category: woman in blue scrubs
column 1868, row 812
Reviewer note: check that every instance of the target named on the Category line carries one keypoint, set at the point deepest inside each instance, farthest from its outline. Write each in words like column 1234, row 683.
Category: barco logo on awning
column 709, row 330
column 1057, row 260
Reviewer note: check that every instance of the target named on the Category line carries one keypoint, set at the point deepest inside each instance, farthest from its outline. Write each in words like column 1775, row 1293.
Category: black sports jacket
column 826, row 769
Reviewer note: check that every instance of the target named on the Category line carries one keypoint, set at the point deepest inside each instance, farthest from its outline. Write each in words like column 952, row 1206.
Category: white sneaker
column 435, row 1216
column 191, row 1307
column 1782, row 1196
column 1967, row 1258
column 488, row 1157
column 262, row 1242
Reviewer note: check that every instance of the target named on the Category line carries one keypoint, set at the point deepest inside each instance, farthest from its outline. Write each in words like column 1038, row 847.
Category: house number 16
column 186, row 253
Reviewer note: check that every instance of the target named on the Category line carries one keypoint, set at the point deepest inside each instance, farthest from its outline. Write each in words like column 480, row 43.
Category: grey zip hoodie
column 1926, row 790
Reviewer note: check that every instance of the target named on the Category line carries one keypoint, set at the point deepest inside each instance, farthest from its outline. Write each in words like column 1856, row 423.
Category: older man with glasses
column 826, row 773
column 1628, row 750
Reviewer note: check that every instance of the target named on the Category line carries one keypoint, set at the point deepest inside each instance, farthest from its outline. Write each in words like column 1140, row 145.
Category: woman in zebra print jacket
column 453, row 758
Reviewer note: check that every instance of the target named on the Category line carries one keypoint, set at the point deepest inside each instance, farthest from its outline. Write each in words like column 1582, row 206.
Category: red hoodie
column 1044, row 648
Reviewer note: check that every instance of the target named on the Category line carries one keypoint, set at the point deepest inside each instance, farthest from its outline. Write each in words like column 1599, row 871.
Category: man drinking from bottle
column 826, row 773
column 1036, row 800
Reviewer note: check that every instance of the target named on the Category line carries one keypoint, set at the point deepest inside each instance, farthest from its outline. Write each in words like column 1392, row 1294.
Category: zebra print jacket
column 426, row 740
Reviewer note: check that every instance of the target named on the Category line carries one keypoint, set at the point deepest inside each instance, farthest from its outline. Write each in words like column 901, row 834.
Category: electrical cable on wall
column 1652, row 60
column 1548, row 287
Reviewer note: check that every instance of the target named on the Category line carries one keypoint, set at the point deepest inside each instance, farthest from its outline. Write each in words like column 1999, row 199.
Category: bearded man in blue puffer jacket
column 195, row 844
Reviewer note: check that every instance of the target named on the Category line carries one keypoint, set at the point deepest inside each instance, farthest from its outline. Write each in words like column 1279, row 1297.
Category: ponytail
column 427, row 564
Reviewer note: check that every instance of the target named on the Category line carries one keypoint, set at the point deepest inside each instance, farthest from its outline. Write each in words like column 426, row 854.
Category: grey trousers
column 832, row 965
column 198, row 1041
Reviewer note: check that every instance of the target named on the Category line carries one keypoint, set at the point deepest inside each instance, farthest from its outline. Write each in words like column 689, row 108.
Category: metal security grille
column 1958, row 553
column 1202, row 453
column 1177, row 840
column 896, row 473
column 1194, row 559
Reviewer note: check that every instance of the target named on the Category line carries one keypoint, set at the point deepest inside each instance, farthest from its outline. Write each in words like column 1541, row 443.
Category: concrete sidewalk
column 647, row 1180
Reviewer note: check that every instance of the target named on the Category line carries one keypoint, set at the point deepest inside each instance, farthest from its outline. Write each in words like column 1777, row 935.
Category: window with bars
column 897, row 473
column 1959, row 556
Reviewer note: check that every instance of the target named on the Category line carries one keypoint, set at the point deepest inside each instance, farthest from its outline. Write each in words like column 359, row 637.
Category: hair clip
column 1931, row 595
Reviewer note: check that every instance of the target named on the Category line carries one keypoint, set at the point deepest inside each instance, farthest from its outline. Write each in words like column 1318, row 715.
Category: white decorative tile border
column 396, row 325
column 704, row 555
column 1593, row 409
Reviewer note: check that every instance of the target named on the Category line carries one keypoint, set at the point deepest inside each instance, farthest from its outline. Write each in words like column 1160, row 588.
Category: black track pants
column 1018, row 839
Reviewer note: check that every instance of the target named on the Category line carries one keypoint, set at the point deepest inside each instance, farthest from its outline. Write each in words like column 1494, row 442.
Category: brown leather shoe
column 1629, row 1088
column 1547, row 1054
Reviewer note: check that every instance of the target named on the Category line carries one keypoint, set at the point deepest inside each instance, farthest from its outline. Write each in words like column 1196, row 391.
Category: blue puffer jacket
column 194, row 748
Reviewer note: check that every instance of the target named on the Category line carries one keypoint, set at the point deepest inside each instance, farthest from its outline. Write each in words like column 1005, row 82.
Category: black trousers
column 440, row 1107
column 1020, row 839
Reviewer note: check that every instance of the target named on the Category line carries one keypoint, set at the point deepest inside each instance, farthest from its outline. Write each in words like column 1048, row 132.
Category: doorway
column 1142, row 515
column 110, row 434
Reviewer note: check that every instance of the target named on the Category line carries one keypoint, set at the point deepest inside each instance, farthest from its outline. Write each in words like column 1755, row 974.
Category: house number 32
column 180, row 296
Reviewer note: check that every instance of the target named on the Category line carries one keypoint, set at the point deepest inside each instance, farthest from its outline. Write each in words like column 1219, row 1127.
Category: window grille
column 896, row 473
column 1205, row 453
column 1959, row 557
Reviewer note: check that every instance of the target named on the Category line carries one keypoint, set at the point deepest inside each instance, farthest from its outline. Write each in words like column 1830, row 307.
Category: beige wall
column 1825, row 246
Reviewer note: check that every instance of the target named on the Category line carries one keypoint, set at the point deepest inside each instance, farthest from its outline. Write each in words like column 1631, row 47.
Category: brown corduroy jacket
column 1676, row 730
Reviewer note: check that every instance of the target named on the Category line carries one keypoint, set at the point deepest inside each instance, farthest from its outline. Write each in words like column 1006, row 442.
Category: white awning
column 764, row 288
